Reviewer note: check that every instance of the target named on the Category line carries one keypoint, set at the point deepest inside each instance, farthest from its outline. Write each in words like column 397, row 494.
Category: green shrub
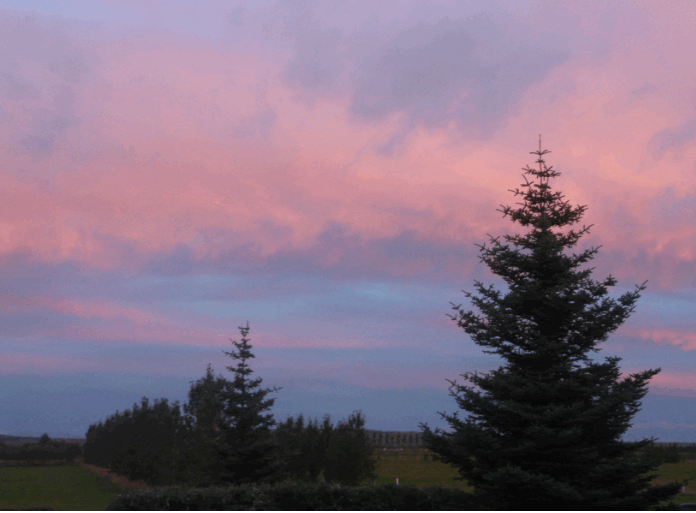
column 292, row 496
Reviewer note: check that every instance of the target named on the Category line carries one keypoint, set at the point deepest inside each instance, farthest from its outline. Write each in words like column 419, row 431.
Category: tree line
column 543, row 431
column 44, row 449
column 223, row 435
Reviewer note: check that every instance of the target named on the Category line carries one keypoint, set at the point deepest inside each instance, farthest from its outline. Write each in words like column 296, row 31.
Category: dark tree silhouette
column 544, row 429
column 304, row 447
column 349, row 455
column 202, row 414
column 141, row 444
column 247, row 450
column 292, row 440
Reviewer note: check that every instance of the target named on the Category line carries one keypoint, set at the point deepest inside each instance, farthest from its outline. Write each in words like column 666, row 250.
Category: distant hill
column 20, row 440
column 389, row 438
column 413, row 438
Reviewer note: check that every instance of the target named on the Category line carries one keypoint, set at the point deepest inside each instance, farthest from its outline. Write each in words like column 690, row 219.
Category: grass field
column 65, row 487
column 75, row 488
column 411, row 469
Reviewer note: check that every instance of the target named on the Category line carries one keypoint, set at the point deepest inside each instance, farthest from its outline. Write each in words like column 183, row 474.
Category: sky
column 324, row 171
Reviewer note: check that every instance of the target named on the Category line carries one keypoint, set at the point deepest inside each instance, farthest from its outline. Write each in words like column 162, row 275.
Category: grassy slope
column 408, row 465
column 678, row 472
column 64, row 487
column 75, row 488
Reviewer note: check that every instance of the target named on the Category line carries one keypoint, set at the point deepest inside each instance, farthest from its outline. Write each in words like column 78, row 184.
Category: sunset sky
column 172, row 169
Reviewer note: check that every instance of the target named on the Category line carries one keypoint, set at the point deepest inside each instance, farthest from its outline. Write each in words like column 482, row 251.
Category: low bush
column 291, row 496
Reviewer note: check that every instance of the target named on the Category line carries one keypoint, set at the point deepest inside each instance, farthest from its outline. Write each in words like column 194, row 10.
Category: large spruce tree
column 543, row 431
column 248, row 451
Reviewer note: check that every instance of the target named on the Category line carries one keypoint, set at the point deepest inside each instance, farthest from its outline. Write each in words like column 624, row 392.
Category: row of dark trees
column 544, row 431
column 224, row 436
column 45, row 449
column 669, row 453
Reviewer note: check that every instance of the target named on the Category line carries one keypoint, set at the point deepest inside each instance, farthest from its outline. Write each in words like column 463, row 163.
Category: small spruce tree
column 247, row 450
column 544, row 429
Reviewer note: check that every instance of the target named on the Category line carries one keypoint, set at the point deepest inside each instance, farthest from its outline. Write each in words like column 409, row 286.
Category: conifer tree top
column 245, row 400
column 550, row 302
column 243, row 353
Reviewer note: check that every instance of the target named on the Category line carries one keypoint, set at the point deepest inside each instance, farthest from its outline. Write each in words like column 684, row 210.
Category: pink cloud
column 86, row 309
column 685, row 339
column 674, row 392
column 177, row 148
column 36, row 365
column 668, row 382
column 110, row 321
column 172, row 141
column 58, row 365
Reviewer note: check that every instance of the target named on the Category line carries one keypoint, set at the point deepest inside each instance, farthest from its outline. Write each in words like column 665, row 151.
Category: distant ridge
column 389, row 439
column 20, row 440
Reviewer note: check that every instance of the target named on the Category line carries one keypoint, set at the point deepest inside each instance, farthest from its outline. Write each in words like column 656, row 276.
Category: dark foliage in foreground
column 297, row 497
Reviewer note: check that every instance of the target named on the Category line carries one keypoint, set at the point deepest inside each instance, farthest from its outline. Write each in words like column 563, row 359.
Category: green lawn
column 408, row 465
column 65, row 487
column 411, row 469
column 75, row 488
column 677, row 472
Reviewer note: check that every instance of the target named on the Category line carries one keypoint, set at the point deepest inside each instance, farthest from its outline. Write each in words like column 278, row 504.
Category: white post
column 397, row 481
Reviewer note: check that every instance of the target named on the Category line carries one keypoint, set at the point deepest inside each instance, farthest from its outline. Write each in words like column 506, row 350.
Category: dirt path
column 118, row 480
